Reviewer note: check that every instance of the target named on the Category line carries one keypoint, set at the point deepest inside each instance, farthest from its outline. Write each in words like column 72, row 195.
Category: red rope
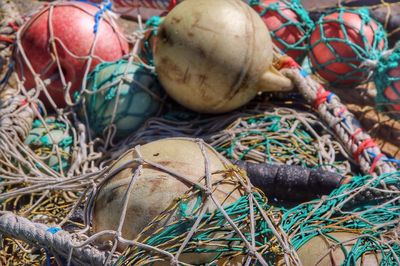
column 13, row 26
column 340, row 111
column 365, row 144
column 172, row 4
column 286, row 62
column 355, row 133
column 375, row 162
column 6, row 39
column 320, row 97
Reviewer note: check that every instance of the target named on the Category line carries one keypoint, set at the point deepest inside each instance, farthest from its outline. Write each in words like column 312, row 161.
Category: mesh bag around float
column 303, row 26
column 361, row 53
column 387, row 80
column 357, row 233
column 56, row 202
column 385, row 11
column 123, row 95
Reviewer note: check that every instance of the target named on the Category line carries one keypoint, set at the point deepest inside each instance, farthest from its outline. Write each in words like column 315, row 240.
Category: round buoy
column 341, row 42
column 48, row 141
column 121, row 94
column 334, row 249
column 289, row 25
column 155, row 189
column 213, row 56
column 392, row 92
column 56, row 42
column 387, row 81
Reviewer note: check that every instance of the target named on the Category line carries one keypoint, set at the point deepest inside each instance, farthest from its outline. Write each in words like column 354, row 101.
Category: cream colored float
column 213, row 56
column 155, row 190
column 330, row 251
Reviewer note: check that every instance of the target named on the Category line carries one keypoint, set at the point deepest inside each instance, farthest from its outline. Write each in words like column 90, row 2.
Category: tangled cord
column 89, row 165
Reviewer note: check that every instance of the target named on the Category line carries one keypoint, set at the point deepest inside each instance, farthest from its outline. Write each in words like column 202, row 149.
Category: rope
column 41, row 235
column 344, row 126
column 277, row 128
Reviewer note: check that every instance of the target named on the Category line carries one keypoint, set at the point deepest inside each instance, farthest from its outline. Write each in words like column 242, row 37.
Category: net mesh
column 349, row 46
column 385, row 11
column 387, row 80
column 57, row 201
column 123, row 96
column 292, row 33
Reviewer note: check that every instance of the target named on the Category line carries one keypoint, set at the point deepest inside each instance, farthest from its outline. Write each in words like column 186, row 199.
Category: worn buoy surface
column 72, row 27
column 213, row 56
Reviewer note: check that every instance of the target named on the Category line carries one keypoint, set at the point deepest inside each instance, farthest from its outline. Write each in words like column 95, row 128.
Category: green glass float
column 43, row 140
column 121, row 94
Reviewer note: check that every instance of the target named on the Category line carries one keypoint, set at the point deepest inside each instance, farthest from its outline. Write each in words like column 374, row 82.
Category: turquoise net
column 386, row 79
column 146, row 53
column 351, row 55
column 52, row 143
column 371, row 221
column 301, row 28
column 121, row 97
column 362, row 206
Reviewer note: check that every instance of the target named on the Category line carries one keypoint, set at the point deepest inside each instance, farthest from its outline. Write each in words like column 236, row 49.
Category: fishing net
column 148, row 43
column 285, row 137
column 348, row 45
column 387, row 80
column 371, row 227
column 385, row 11
column 123, row 96
column 47, row 208
column 295, row 26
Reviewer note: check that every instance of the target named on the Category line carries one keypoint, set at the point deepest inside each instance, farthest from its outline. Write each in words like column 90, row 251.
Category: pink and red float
column 57, row 42
column 341, row 42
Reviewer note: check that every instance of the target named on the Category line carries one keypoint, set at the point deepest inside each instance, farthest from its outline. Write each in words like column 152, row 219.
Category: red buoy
column 72, row 27
column 390, row 92
column 285, row 27
column 345, row 42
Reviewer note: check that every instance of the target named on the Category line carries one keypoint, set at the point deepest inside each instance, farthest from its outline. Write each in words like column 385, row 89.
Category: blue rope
column 104, row 6
column 303, row 72
column 329, row 97
column 385, row 158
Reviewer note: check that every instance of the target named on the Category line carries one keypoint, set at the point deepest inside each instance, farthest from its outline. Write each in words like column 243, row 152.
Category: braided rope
column 344, row 124
column 41, row 235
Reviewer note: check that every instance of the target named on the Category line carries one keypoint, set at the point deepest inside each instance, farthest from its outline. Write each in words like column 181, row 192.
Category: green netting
column 372, row 224
column 364, row 51
column 372, row 220
column 282, row 137
column 213, row 237
column 301, row 28
column 386, row 79
column 146, row 53
column 51, row 142
column 121, row 96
